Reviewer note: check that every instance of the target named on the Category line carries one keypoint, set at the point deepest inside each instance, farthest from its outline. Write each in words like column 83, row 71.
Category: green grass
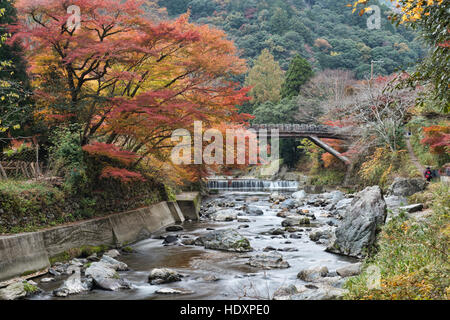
column 21, row 186
column 327, row 177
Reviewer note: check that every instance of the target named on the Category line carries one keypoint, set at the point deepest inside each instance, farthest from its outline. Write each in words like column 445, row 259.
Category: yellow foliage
column 412, row 10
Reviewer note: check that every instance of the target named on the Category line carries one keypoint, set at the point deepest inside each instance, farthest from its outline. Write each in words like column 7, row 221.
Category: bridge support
column 329, row 149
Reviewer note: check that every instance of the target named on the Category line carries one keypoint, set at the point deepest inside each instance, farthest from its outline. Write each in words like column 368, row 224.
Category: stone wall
column 28, row 253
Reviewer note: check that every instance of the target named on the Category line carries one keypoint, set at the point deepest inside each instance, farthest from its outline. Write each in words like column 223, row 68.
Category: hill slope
column 325, row 32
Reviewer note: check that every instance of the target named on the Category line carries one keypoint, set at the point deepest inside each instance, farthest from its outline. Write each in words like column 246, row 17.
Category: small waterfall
column 251, row 185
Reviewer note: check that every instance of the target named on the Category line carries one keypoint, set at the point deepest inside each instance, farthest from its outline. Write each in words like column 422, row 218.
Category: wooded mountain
column 325, row 32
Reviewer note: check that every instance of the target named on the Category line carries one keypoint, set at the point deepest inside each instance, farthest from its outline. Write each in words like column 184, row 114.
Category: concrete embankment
column 27, row 253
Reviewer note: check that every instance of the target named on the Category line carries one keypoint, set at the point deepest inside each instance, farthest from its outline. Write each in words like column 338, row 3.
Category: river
column 201, row 267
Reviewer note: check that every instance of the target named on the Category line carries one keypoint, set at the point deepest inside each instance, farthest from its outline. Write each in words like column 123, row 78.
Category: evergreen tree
column 266, row 78
column 298, row 74
column 14, row 84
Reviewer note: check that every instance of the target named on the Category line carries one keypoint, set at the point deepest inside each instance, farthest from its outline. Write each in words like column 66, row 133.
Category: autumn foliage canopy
column 128, row 79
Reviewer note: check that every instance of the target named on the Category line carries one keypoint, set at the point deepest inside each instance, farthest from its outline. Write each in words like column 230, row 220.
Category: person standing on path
column 428, row 174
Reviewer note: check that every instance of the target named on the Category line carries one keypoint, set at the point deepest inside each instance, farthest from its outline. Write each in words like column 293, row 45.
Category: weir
column 251, row 185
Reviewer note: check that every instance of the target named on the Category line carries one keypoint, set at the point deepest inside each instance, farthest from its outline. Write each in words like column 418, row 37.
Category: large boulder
column 267, row 261
column 403, row 187
column 342, row 206
column 226, row 240
column 13, row 292
column 164, row 275
column 104, row 274
column 357, row 233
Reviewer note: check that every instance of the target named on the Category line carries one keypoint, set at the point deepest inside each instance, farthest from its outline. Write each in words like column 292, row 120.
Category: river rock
column 295, row 221
column 349, row 270
column 112, row 253
column 111, row 284
column 173, row 291
column 174, row 228
column 99, row 270
column 277, row 232
column 163, row 275
column 224, row 215
column 46, row 280
column 73, row 285
column 313, row 274
column 13, row 292
column 170, row 240
column 357, row 234
column 267, row 261
column 188, row 241
column 319, row 292
column 286, row 291
column 405, row 187
column 114, row 264
column 321, row 233
column 300, row 195
column 226, row 240
column 289, row 204
column 342, row 206
column 276, row 197
column 253, row 211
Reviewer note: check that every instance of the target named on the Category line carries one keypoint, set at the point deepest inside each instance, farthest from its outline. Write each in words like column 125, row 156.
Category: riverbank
column 28, row 253
column 412, row 259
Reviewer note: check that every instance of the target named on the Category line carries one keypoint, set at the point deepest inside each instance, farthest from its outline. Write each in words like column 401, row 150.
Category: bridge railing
column 293, row 127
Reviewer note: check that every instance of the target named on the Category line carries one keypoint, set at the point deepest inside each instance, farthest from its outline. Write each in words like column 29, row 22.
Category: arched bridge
column 310, row 131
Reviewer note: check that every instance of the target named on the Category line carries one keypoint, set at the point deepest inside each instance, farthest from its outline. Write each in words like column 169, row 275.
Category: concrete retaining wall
column 30, row 252
column 189, row 203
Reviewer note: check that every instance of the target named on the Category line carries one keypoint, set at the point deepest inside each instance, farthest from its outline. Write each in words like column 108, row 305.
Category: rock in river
column 227, row 240
column 73, row 285
column 267, row 261
column 174, row 228
column 13, row 292
column 313, row 274
column 357, row 233
column 295, row 221
column 224, row 215
column 163, row 275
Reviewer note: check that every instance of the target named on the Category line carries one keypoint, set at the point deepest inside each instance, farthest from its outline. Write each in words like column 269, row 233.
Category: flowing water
column 251, row 185
column 237, row 280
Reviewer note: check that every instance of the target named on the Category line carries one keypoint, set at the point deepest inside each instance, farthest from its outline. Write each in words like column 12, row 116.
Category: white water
column 251, row 185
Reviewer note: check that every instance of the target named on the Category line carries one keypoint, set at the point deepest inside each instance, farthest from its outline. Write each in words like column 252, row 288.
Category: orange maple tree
column 128, row 80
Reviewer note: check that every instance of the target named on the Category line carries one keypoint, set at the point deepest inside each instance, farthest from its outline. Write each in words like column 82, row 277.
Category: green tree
column 279, row 22
column 266, row 78
column 14, row 84
column 298, row 74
